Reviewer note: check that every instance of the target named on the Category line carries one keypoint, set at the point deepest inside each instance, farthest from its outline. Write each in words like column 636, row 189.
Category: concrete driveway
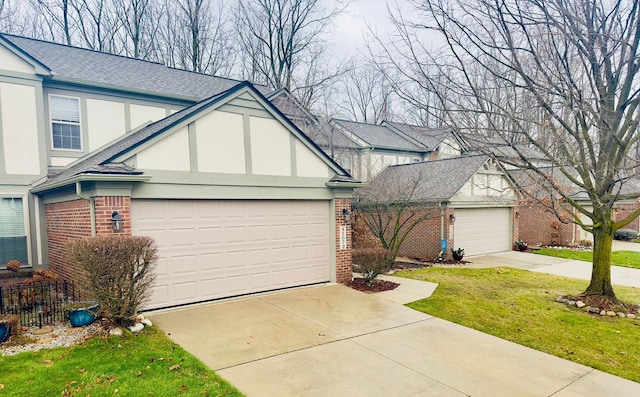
column 330, row 340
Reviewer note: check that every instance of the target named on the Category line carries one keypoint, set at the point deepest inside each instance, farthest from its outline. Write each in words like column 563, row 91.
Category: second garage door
column 212, row 249
column 482, row 230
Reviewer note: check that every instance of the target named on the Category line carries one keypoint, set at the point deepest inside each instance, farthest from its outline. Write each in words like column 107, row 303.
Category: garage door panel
column 220, row 248
column 482, row 230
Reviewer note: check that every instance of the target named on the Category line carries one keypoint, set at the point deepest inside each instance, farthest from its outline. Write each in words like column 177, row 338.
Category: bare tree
column 559, row 76
column 52, row 19
column 98, row 24
column 391, row 208
column 282, row 44
column 138, row 27
column 365, row 95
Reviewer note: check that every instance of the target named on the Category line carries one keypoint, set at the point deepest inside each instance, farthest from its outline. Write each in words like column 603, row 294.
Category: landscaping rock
column 580, row 304
column 603, row 312
column 631, row 315
column 594, row 310
column 137, row 327
column 116, row 331
column 43, row 330
column 622, row 315
column 611, row 313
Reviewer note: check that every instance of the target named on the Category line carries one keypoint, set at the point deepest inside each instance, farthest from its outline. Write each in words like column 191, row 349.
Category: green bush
column 371, row 262
column 119, row 272
column 625, row 234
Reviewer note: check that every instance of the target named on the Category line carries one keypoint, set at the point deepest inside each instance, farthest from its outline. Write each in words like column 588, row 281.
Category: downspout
column 442, row 236
column 92, row 207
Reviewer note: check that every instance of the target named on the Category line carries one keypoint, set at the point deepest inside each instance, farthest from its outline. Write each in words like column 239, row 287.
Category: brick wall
column 622, row 211
column 423, row 242
column 539, row 226
column 66, row 221
column 343, row 256
column 71, row 220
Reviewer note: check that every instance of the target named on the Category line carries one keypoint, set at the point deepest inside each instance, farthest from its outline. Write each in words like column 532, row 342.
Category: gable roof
column 98, row 69
column 98, row 162
column 429, row 181
column 429, row 137
column 378, row 136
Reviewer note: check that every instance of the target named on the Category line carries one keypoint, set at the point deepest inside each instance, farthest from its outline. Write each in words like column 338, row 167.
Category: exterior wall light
column 347, row 215
column 452, row 218
column 517, row 214
column 116, row 222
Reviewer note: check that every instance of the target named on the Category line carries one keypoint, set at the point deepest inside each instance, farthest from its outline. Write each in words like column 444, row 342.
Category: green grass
column 519, row 306
column 618, row 258
column 148, row 364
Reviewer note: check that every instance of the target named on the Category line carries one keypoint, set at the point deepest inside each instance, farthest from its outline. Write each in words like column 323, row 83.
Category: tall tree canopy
column 560, row 76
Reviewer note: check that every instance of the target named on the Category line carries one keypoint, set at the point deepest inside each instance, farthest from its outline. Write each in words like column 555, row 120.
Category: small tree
column 119, row 272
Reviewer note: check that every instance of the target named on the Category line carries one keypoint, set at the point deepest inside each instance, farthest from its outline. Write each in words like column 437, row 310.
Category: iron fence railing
column 38, row 303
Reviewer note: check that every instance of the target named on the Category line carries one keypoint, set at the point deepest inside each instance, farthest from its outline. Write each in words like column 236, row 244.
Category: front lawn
column 519, row 306
column 618, row 258
column 148, row 364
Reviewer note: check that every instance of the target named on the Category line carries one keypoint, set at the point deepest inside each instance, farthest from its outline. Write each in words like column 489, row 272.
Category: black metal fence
column 38, row 303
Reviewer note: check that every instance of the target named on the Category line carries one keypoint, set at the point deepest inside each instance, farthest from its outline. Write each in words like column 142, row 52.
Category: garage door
column 482, row 230
column 213, row 249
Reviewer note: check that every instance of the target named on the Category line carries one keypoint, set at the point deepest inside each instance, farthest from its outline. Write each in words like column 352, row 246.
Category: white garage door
column 212, row 249
column 482, row 230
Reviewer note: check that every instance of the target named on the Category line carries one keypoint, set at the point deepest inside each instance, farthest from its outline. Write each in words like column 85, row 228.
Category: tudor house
column 237, row 198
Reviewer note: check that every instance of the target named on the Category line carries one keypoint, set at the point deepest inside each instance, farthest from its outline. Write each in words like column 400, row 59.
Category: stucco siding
column 105, row 120
column 141, row 114
column 270, row 144
column 19, row 129
column 9, row 61
column 308, row 164
column 221, row 143
column 170, row 153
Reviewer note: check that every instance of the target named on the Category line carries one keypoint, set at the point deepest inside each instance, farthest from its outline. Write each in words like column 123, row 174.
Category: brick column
column 343, row 256
column 105, row 206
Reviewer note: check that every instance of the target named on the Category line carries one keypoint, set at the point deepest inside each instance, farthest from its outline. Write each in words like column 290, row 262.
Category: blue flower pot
column 84, row 315
column 5, row 332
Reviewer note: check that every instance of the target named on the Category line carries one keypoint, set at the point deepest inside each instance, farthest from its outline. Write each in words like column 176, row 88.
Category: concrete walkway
column 559, row 266
column 331, row 340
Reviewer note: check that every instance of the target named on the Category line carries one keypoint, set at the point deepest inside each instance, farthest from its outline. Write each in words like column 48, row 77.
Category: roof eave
column 90, row 178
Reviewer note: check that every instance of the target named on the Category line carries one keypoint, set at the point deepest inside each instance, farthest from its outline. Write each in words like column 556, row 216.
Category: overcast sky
column 349, row 27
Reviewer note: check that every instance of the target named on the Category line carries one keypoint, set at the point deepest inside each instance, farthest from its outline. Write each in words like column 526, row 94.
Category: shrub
column 625, row 234
column 371, row 262
column 13, row 265
column 119, row 272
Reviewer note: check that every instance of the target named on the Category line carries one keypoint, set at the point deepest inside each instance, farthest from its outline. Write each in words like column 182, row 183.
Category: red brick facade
column 343, row 256
column 423, row 242
column 71, row 220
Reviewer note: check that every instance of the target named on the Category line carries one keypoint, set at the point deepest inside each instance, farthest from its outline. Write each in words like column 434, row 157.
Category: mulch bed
column 361, row 284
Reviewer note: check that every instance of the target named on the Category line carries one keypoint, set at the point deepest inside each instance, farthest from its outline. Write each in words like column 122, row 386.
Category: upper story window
column 65, row 122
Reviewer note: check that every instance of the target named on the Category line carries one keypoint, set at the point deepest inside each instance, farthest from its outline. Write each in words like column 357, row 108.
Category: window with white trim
column 65, row 122
column 13, row 239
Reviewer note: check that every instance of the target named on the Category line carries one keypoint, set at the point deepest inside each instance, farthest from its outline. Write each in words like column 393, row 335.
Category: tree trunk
column 601, row 273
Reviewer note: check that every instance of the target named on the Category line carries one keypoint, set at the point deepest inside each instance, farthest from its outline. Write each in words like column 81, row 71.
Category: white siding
column 20, row 129
column 171, row 153
column 220, row 143
column 270, row 147
column 105, row 122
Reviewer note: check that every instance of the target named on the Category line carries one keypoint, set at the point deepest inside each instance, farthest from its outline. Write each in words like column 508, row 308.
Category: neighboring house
column 237, row 198
column 469, row 198
column 537, row 220
column 367, row 149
